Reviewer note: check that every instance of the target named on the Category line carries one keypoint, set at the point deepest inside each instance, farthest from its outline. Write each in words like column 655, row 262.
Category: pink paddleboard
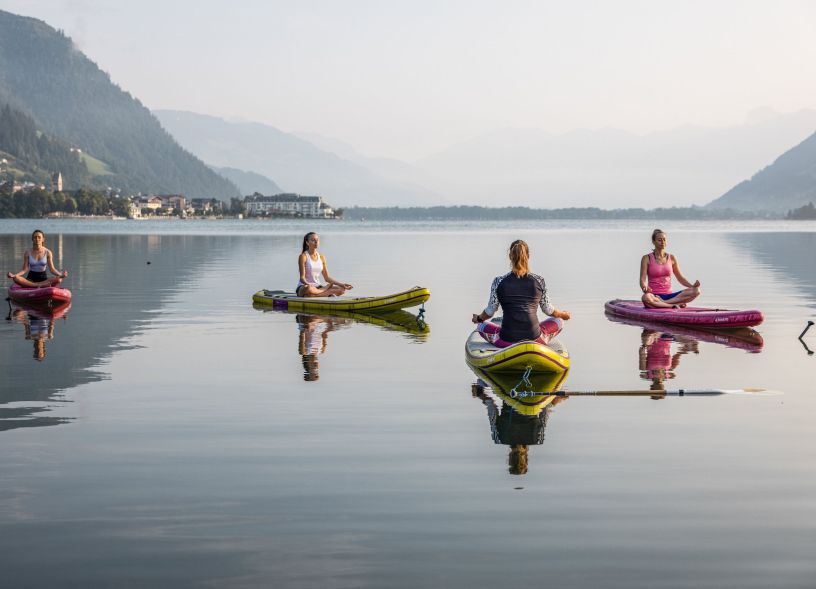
column 691, row 316
column 51, row 295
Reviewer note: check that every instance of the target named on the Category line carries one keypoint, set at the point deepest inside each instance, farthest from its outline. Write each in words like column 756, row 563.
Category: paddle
column 666, row 393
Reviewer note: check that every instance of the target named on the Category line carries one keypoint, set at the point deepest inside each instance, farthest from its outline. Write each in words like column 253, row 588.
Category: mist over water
column 194, row 439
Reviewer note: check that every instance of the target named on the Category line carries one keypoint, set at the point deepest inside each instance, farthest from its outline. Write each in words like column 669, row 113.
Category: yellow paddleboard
column 279, row 299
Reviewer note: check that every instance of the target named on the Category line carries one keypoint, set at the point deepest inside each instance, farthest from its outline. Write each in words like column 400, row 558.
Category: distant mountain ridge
column 249, row 182
column 610, row 168
column 788, row 183
column 291, row 161
column 43, row 75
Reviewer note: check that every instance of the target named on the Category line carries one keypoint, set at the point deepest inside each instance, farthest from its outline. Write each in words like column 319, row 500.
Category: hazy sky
column 407, row 78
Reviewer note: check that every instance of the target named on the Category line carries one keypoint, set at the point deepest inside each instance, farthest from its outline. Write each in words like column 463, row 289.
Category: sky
column 406, row 79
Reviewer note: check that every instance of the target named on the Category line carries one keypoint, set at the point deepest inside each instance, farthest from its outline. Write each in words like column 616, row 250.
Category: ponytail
column 520, row 258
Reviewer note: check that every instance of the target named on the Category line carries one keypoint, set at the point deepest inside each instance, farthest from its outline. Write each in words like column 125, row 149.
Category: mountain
column 390, row 168
column 611, row 168
column 69, row 98
column 249, row 182
column 295, row 163
column 788, row 183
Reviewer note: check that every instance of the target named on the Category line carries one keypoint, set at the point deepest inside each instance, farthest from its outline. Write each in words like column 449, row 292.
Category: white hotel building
column 288, row 204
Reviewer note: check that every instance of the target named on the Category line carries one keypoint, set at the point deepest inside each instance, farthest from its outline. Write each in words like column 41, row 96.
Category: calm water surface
column 165, row 433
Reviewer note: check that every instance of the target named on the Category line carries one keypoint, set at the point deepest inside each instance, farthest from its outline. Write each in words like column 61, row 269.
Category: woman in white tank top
column 35, row 263
column 315, row 280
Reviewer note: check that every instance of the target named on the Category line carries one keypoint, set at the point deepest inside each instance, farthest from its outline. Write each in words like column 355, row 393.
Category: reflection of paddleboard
column 279, row 299
column 690, row 316
column 44, row 312
column 526, row 393
column 743, row 338
column 50, row 295
column 402, row 321
column 526, row 354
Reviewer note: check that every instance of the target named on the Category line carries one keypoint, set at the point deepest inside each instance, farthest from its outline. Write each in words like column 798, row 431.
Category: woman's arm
column 644, row 274
column 331, row 280
column 680, row 278
column 492, row 303
column 546, row 306
column 24, row 271
column 302, row 268
column 54, row 271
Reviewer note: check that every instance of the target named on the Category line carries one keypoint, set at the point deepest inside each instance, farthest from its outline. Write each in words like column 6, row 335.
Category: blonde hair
column 520, row 258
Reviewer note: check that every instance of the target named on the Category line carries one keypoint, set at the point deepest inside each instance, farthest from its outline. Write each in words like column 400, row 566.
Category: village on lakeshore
column 30, row 199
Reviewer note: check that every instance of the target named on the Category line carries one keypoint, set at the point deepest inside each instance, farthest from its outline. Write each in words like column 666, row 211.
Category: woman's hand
column 476, row 318
column 696, row 284
column 347, row 286
column 565, row 315
column 63, row 274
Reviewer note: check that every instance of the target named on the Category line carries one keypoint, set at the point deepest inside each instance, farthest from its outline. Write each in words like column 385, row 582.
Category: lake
column 163, row 432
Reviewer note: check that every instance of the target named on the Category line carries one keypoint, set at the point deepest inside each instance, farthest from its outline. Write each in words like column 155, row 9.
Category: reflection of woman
column 312, row 338
column 514, row 429
column 656, row 269
column 520, row 294
column 35, row 263
column 315, row 280
column 37, row 329
column 655, row 360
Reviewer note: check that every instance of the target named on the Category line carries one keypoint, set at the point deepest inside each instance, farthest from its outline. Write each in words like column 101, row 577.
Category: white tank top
column 314, row 269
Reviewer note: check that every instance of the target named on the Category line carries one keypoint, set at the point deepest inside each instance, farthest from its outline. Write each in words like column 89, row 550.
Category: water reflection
column 38, row 327
column 314, row 329
column 313, row 336
column 106, row 313
column 38, row 323
column 521, row 420
column 662, row 346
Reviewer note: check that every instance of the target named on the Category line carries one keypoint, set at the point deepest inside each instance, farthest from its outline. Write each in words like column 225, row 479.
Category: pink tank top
column 659, row 275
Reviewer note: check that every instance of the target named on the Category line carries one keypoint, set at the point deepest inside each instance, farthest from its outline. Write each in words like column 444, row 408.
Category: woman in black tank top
column 520, row 294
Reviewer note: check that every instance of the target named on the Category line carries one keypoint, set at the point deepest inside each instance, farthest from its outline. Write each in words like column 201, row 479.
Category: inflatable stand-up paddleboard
column 690, row 316
column 289, row 301
column 743, row 338
column 481, row 354
column 50, row 295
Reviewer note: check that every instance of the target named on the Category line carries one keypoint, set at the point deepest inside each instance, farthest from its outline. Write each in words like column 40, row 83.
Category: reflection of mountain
column 112, row 302
column 790, row 254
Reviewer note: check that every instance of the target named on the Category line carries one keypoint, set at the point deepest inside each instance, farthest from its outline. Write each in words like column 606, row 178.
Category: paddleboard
column 50, row 295
column 691, row 316
column 516, row 358
column 289, row 301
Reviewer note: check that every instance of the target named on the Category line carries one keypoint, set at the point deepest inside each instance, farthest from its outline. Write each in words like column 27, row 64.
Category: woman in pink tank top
column 656, row 270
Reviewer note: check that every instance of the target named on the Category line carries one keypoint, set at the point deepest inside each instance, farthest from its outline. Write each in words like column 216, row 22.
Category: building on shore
column 288, row 205
column 56, row 182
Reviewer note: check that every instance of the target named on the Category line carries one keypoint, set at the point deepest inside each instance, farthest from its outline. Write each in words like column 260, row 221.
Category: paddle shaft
column 658, row 393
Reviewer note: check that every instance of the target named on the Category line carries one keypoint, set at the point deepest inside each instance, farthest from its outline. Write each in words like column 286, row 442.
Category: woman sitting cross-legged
column 314, row 273
column 35, row 263
column 656, row 269
column 520, row 294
